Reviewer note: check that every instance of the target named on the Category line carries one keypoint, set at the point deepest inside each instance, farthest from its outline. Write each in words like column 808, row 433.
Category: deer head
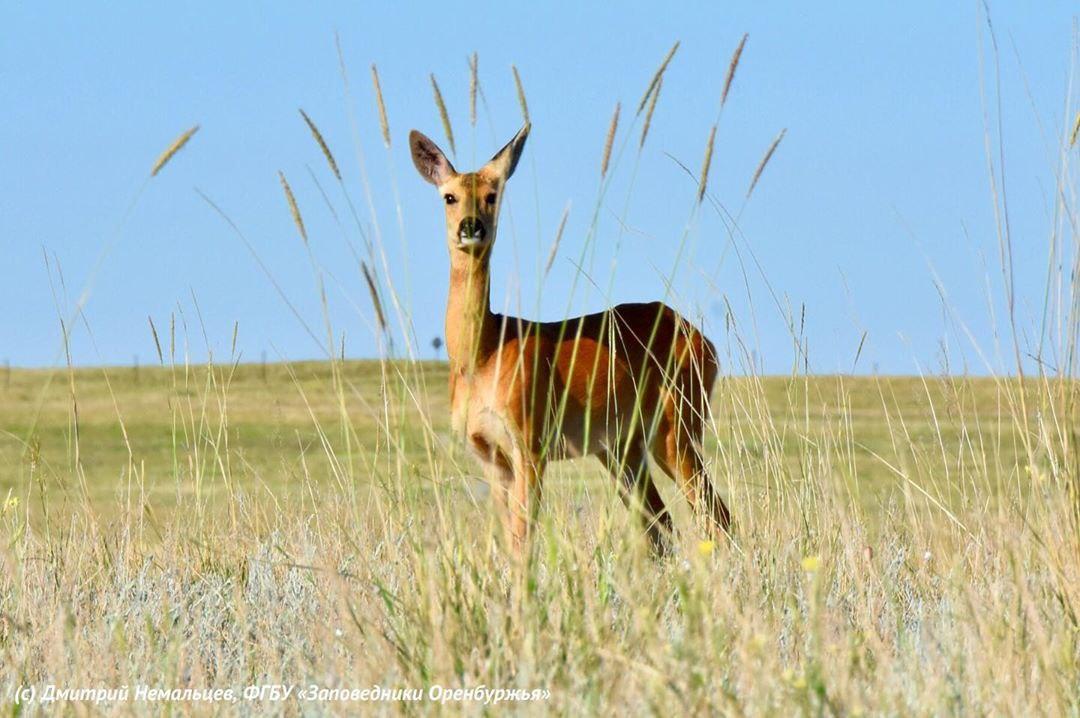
column 472, row 198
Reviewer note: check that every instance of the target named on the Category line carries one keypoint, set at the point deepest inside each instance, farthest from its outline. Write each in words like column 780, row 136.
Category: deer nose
column 471, row 231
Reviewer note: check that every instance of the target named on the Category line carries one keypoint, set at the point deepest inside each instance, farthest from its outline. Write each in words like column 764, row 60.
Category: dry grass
column 232, row 541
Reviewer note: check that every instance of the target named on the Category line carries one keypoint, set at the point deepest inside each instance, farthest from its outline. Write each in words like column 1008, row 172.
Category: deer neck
column 471, row 332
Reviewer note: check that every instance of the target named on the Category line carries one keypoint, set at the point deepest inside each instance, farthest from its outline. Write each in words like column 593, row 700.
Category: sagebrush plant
column 902, row 545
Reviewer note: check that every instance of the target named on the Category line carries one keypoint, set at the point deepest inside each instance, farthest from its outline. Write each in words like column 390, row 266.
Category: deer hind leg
column 676, row 451
column 637, row 490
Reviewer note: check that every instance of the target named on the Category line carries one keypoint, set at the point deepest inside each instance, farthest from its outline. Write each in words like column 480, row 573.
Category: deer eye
column 450, row 199
column 490, row 199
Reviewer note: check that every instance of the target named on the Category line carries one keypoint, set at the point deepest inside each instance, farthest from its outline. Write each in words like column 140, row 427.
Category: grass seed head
column 649, row 112
column 474, row 82
column 157, row 341
column 443, row 115
column 610, row 140
column 294, row 209
column 374, row 292
column 558, row 240
column 176, row 146
column 656, row 77
column 322, row 144
column 732, row 66
column 705, row 163
column 384, row 123
column 765, row 161
column 521, row 94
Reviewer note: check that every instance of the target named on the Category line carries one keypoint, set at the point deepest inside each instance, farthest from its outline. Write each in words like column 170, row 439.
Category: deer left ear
column 505, row 160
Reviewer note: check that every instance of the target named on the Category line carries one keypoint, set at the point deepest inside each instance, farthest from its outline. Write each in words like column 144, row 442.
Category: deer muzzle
column 471, row 232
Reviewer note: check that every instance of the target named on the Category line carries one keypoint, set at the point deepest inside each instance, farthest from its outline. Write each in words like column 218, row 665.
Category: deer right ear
column 430, row 161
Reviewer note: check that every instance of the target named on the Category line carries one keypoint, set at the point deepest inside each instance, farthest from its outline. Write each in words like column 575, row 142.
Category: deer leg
column 679, row 456
column 500, row 478
column 523, row 501
column 640, row 495
column 499, row 474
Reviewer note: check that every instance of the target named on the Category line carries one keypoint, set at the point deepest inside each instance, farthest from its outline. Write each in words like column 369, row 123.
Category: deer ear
column 505, row 160
column 430, row 161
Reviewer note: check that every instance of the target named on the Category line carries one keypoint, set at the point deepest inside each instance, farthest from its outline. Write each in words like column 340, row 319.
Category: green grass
column 254, row 427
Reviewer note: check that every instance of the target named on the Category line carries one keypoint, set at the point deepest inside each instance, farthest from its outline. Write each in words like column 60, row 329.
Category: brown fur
column 621, row 385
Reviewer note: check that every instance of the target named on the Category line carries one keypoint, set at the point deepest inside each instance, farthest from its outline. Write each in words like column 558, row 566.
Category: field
column 902, row 545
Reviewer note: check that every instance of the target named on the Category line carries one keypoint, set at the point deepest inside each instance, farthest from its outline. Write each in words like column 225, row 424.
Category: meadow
column 902, row 545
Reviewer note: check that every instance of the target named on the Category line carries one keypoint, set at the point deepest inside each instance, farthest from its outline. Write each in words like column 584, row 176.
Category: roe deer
column 621, row 385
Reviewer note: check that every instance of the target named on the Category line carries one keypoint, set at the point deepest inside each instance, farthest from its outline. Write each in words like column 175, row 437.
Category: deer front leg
column 523, row 502
column 500, row 480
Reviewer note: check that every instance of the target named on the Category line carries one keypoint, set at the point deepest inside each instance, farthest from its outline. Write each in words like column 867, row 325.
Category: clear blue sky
column 879, row 184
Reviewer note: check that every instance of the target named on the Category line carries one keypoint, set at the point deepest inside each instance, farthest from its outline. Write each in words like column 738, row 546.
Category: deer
column 623, row 384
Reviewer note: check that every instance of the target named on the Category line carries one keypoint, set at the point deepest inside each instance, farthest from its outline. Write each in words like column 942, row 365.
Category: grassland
column 278, row 427
column 903, row 545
